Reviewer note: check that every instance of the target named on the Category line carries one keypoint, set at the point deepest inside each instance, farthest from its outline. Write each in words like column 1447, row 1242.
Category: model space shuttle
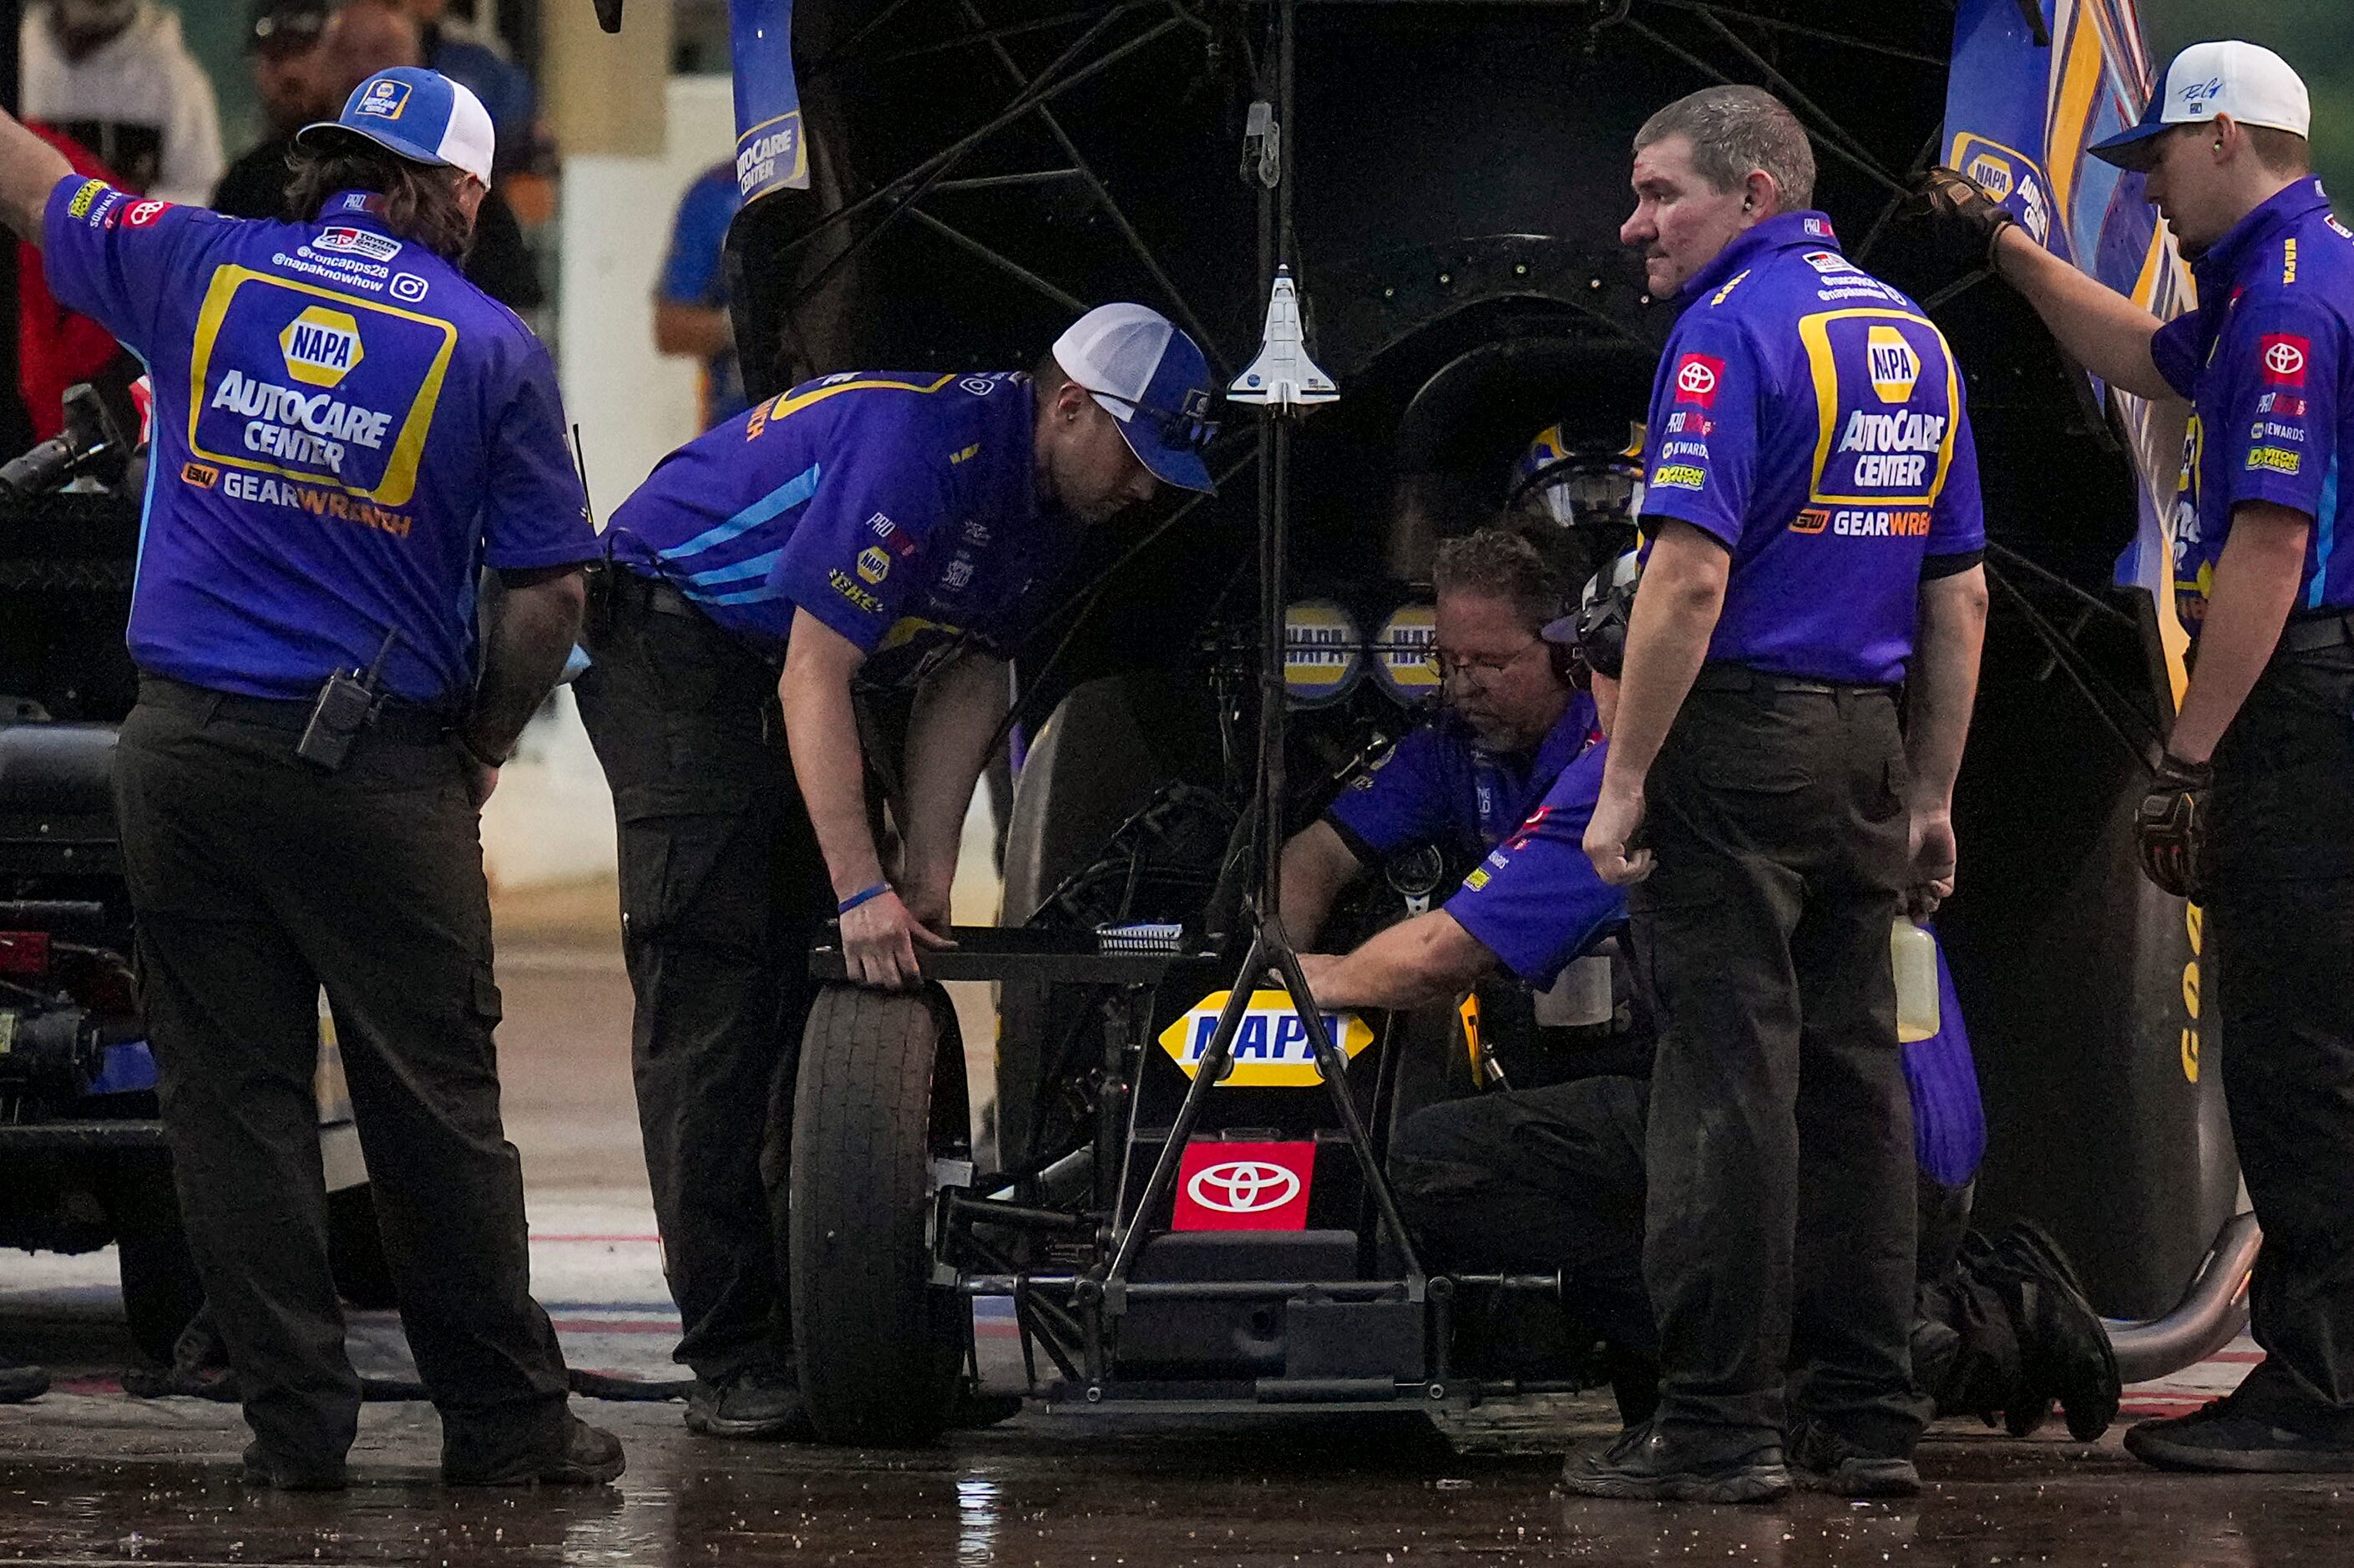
column 1282, row 376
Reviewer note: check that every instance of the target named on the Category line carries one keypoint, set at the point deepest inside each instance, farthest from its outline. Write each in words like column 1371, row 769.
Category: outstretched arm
column 29, row 170
column 1428, row 959
column 2101, row 330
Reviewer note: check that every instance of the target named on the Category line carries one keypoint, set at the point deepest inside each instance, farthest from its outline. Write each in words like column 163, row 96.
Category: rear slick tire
column 879, row 1095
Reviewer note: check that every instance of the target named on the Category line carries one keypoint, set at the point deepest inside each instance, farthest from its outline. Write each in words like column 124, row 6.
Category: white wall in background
column 552, row 820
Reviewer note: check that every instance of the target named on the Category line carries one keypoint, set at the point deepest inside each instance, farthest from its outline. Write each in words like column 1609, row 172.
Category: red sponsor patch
column 2286, row 406
column 1527, row 829
column 1244, row 1186
column 145, row 212
column 1698, row 375
column 2283, row 357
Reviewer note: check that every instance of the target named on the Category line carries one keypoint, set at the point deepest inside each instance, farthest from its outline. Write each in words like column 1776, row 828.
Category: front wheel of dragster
column 880, row 1095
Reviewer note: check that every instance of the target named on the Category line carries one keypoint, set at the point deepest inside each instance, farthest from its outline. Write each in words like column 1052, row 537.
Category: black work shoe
column 270, row 1472
column 1823, row 1461
column 2220, row 1437
column 2063, row 1343
column 19, row 1385
column 1646, row 1466
column 590, row 1456
column 760, row 1401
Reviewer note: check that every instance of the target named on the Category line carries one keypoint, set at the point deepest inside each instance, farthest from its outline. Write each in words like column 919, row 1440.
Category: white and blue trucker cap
column 419, row 115
column 1151, row 378
column 2246, row 81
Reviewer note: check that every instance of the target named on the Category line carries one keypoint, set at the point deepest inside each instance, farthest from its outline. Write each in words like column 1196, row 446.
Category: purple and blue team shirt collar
column 363, row 209
column 2244, row 243
column 1783, row 230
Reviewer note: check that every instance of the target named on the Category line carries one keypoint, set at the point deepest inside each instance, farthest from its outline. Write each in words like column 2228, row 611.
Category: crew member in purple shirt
column 1551, row 1178
column 2251, row 812
column 877, row 531
column 346, row 434
column 1812, row 506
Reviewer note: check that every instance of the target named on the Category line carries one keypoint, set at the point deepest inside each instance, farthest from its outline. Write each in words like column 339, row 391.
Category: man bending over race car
column 1553, row 1178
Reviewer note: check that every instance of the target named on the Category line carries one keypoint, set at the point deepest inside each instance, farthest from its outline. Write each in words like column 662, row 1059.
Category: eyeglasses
column 1477, row 672
column 1190, row 427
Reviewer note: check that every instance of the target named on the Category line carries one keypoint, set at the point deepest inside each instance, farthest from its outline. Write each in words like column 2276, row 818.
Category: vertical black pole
column 1274, row 499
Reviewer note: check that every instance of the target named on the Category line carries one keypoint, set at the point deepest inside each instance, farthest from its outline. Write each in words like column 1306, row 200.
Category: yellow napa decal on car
column 1322, row 652
column 1271, row 1048
column 1404, row 643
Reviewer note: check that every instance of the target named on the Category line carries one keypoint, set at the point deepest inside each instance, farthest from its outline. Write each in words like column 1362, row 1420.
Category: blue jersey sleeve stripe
column 782, row 499
column 760, row 595
column 753, row 567
column 2325, row 535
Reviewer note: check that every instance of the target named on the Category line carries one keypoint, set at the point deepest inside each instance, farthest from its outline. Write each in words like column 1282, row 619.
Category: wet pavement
column 90, row 1475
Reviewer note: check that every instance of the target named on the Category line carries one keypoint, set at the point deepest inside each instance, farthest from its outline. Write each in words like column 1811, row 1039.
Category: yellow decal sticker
column 1270, row 1049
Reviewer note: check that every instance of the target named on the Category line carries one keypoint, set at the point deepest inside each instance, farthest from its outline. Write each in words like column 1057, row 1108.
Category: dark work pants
column 1780, row 1224
column 723, row 893
column 1536, row 1181
column 256, row 880
column 2280, row 951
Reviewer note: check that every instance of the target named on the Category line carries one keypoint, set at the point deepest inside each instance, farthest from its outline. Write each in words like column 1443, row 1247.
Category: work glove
column 1963, row 216
column 2170, row 826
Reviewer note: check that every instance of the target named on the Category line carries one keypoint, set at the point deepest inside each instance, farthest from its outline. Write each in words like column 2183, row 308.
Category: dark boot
column 1646, row 1465
column 19, row 1383
column 2064, row 1345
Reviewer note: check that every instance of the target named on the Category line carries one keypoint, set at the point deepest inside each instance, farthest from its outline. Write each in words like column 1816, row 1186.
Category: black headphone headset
column 1604, row 609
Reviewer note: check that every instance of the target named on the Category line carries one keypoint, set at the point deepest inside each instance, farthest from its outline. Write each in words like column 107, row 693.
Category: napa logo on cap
column 1323, row 653
column 1270, row 1049
column 1403, row 649
column 385, row 98
column 1894, row 366
column 321, row 346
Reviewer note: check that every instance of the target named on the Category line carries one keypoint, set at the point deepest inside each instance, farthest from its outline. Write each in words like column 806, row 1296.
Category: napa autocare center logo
column 770, row 153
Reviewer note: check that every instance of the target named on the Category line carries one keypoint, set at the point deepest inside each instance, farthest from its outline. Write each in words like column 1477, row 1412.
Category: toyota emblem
column 1695, row 378
column 2285, row 360
column 1243, row 1187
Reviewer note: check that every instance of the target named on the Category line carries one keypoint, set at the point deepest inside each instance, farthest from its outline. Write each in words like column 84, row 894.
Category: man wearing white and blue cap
column 869, row 530
column 346, row 434
column 2251, row 812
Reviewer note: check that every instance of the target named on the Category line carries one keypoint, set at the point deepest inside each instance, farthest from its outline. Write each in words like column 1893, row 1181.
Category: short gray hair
column 1500, row 564
column 1734, row 130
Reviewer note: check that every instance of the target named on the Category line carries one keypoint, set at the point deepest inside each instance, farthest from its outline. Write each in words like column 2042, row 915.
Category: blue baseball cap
column 1153, row 380
column 416, row 114
column 2246, row 81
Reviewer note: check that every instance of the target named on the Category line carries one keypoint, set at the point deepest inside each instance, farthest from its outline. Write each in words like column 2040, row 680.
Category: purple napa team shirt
column 901, row 509
column 1439, row 786
column 345, row 432
column 2265, row 361
column 1808, row 417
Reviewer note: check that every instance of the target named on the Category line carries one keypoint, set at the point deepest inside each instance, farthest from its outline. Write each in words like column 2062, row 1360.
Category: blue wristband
column 861, row 897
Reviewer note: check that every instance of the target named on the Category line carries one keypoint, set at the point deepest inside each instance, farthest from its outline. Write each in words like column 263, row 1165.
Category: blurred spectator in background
column 290, row 76
column 362, row 37
column 691, row 298
column 465, row 53
column 115, row 76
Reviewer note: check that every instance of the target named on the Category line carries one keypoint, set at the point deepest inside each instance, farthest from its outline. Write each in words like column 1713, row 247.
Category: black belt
column 401, row 722
column 652, row 593
column 1743, row 678
column 2310, row 633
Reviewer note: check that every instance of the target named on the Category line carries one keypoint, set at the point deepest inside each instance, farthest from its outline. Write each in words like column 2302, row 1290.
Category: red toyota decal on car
column 1244, row 1186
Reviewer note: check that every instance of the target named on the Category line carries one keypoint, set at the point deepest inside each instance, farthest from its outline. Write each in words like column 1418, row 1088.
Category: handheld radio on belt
column 347, row 705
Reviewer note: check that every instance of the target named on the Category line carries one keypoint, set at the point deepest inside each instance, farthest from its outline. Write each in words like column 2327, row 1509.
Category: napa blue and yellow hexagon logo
column 321, row 346
column 1271, row 1048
